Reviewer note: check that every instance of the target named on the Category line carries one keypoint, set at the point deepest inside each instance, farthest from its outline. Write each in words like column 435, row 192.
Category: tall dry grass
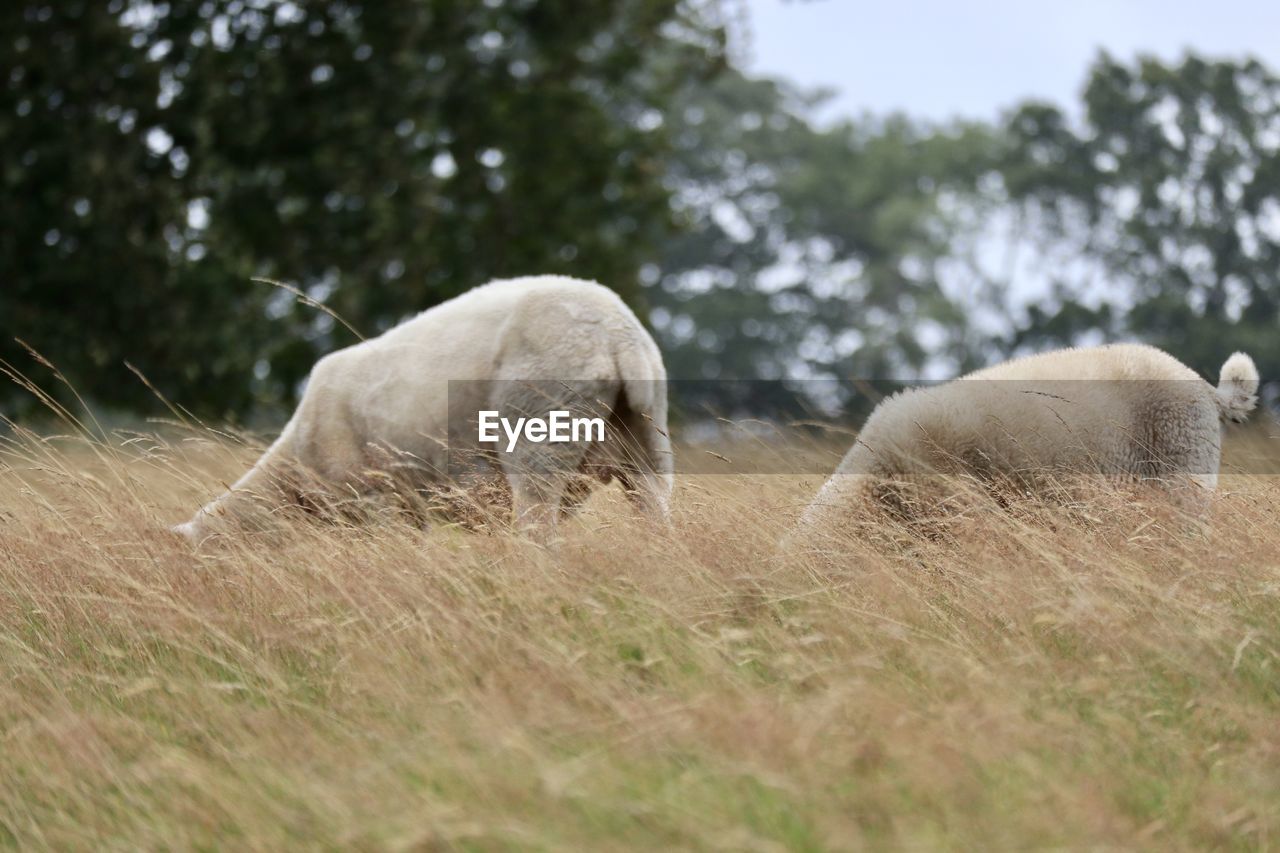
column 1103, row 675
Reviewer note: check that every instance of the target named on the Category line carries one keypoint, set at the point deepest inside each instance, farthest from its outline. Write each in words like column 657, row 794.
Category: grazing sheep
column 402, row 410
column 1032, row 424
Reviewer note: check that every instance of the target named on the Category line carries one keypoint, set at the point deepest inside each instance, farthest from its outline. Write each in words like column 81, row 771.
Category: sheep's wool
column 1125, row 410
column 400, row 407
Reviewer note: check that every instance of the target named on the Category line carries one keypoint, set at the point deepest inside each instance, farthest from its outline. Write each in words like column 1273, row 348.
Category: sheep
column 1033, row 424
column 402, row 410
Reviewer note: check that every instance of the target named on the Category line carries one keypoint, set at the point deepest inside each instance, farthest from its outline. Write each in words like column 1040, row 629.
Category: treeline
column 382, row 157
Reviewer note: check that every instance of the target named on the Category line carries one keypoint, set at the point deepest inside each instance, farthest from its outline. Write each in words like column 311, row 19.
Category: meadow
column 1098, row 675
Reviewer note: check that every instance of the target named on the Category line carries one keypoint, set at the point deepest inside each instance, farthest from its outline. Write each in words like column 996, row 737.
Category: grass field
column 1098, row 676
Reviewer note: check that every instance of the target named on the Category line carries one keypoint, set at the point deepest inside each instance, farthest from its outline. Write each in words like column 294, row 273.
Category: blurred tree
column 383, row 156
column 808, row 253
column 386, row 156
column 1173, row 185
column 93, row 248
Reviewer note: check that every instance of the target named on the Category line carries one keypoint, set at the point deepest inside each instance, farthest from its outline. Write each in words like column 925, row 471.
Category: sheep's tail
column 1237, row 390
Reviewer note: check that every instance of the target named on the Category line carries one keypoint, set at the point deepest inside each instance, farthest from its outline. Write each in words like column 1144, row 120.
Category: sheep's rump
column 400, row 412
column 1042, row 425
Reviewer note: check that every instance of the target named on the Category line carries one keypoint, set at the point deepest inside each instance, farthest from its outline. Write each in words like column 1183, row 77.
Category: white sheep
column 401, row 410
column 1124, row 411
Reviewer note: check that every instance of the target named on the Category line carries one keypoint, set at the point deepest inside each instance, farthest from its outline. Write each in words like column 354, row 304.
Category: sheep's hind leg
column 646, row 492
column 535, row 503
column 542, row 480
column 542, row 474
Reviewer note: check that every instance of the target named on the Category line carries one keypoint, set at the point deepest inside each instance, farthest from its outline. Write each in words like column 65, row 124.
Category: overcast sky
column 942, row 58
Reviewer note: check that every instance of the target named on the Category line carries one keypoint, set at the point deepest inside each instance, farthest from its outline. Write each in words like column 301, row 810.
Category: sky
column 940, row 59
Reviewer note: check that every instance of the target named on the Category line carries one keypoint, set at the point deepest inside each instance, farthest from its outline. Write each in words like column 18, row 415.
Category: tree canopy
column 1172, row 184
column 382, row 157
column 808, row 253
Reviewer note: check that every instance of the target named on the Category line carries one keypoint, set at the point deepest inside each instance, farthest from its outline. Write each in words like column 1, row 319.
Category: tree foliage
column 1173, row 181
column 383, row 156
column 808, row 252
